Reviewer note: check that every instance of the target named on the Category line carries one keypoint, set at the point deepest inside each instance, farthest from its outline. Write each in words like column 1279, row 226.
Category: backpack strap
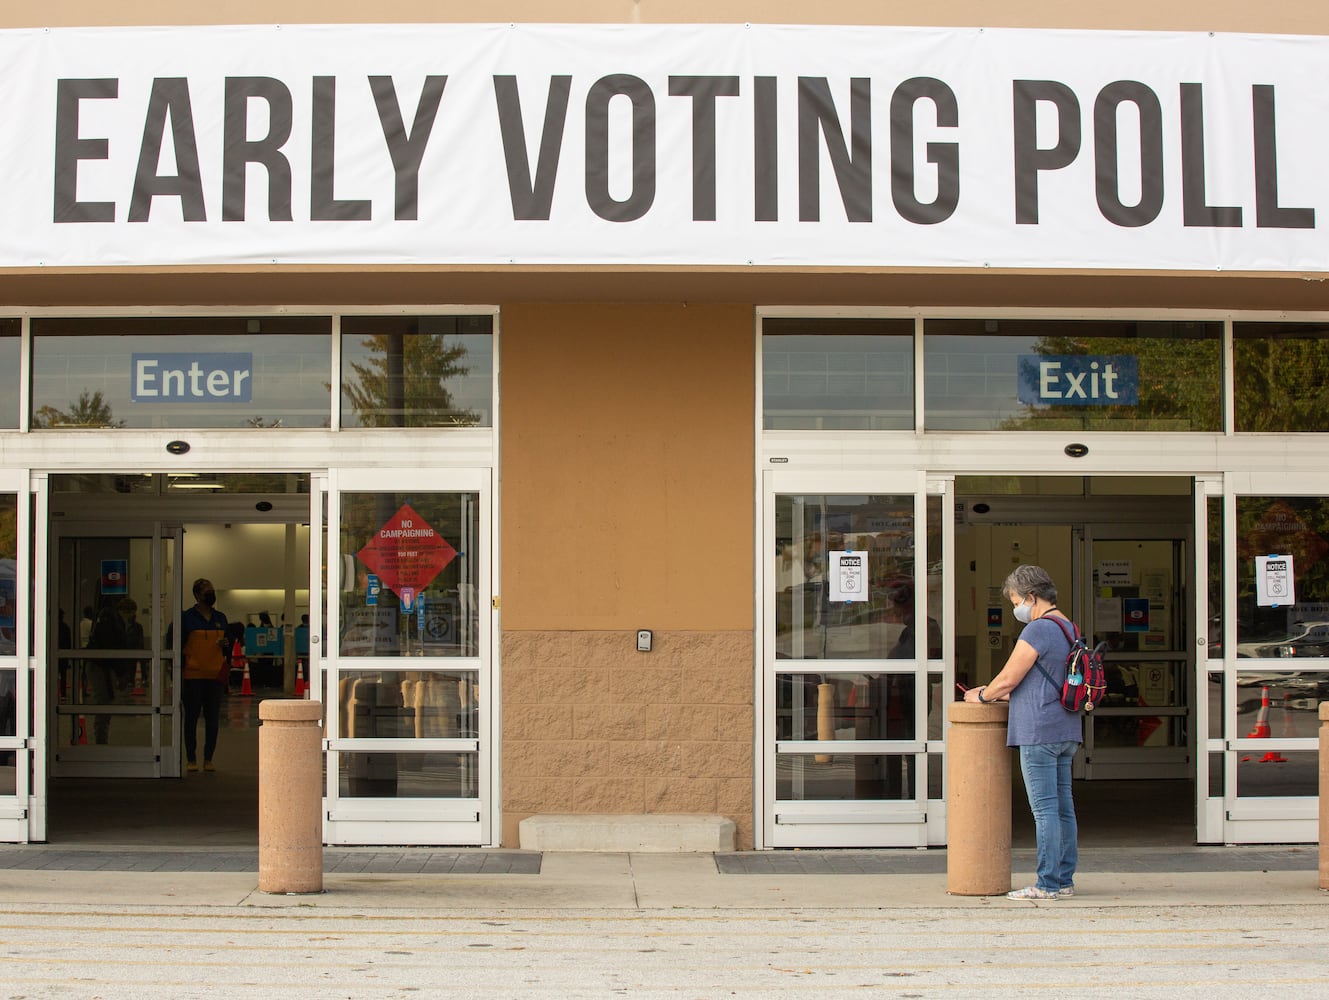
column 1071, row 635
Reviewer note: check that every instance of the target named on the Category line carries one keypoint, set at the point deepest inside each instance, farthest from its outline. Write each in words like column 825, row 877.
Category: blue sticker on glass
column 191, row 378
column 1079, row 379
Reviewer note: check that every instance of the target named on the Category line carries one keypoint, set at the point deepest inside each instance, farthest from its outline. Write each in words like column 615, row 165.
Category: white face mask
column 1023, row 612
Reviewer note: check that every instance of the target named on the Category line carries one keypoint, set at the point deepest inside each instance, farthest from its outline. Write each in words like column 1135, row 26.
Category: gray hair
column 1029, row 580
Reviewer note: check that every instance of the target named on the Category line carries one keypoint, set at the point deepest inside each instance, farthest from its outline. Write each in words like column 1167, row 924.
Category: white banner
column 695, row 145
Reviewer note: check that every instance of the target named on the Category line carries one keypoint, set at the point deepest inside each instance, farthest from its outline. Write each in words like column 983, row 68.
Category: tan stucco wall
column 627, row 452
column 1215, row 15
column 627, row 502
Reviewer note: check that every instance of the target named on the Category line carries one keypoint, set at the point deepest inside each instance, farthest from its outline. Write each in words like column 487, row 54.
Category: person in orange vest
column 206, row 672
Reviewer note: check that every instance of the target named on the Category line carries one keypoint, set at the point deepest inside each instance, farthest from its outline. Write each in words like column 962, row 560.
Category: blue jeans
column 1047, row 781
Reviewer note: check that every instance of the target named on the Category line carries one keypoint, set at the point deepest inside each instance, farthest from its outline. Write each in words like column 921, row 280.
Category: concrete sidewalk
column 645, row 882
column 662, row 927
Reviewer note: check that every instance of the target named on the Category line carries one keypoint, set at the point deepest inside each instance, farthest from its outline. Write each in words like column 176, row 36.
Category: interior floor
column 220, row 808
column 204, row 809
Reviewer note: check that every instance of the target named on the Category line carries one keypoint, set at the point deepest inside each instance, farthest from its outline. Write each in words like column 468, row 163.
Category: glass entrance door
column 115, row 605
column 853, row 669
column 1274, row 628
column 15, row 675
column 1137, row 602
column 407, row 668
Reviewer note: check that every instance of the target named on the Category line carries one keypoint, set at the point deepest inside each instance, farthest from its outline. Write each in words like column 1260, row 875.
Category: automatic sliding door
column 112, row 689
column 851, row 625
column 407, row 674
column 1139, row 605
column 1272, row 687
column 15, row 676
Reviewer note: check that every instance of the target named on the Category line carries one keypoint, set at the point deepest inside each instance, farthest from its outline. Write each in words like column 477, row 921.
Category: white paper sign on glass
column 1275, row 585
column 849, row 576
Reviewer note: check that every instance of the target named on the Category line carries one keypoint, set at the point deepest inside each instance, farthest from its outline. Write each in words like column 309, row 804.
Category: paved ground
column 1251, row 924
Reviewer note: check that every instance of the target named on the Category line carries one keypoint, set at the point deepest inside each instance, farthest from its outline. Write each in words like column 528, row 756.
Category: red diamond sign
column 407, row 553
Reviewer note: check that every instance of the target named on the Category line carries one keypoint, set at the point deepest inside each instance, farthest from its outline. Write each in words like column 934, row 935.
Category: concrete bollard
column 978, row 803
column 290, row 796
column 1324, row 795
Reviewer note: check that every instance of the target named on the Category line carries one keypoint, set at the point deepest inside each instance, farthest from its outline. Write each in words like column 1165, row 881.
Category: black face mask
column 210, row 598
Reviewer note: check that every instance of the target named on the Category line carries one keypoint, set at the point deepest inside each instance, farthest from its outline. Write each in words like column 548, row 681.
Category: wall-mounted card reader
column 643, row 640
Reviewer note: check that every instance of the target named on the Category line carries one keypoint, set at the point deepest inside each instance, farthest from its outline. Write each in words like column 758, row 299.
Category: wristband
column 980, row 695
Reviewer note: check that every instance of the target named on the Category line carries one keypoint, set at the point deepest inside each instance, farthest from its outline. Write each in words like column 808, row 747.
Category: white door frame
column 21, row 811
column 1161, row 762
column 376, row 820
column 161, row 757
column 1286, row 819
column 818, row 823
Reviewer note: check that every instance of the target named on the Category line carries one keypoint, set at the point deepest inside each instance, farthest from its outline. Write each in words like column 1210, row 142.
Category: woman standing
column 1047, row 735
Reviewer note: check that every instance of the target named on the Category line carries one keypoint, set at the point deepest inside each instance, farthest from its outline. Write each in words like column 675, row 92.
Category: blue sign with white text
column 1079, row 379
column 191, row 378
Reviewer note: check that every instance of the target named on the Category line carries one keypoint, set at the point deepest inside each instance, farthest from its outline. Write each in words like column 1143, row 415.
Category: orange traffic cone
column 300, row 688
column 138, row 681
column 238, row 659
column 1263, row 732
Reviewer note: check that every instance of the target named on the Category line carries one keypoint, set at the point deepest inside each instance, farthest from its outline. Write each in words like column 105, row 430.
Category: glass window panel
column 413, row 587
column 9, row 372
column 935, row 774
column 1135, row 683
column 1281, row 376
column 1278, row 773
column 205, row 371
column 972, row 373
column 8, row 574
column 1139, row 730
column 844, row 776
column 407, row 704
column 1217, row 763
column 877, row 706
column 411, row 775
column 808, row 624
column 181, row 483
column 1295, row 526
column 936, row 561
column 1217, row 577
column 936, row 708
column 1281, row 706
column 116, row 729
column 8, row 703
column 837, row 374
column 1216, row 684
column 417, row 371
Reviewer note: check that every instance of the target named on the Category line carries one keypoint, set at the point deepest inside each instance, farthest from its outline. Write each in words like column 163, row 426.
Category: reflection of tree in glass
column 403, row 382
column 1296, row 526
column 89, row 410
column 1180, row 383
column 1282, row 381
column 8, row 527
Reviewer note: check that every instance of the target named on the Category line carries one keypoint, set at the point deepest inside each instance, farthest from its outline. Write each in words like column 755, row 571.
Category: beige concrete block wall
column 627, row 503
column 593, row 726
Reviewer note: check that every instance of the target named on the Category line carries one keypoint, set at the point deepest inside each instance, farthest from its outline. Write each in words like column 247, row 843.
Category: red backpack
column 1086, row 680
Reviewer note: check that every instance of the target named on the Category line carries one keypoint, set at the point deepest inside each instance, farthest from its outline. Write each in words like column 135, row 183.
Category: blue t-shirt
column 1036, row 714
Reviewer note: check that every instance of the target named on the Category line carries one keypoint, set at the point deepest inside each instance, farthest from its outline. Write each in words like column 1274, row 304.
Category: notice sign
column 115, row 576
column 1274, row 584
column 849, row 576
column 1115, row 573
column 1135, row 611
column 406, row 554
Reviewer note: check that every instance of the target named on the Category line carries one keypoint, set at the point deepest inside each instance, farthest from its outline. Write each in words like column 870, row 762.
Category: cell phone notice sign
column 1275, row 585
column 849, row 576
